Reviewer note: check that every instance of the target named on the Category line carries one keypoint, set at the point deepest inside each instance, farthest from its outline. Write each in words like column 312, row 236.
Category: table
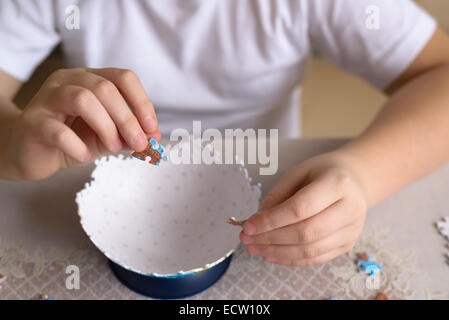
column 40, row 236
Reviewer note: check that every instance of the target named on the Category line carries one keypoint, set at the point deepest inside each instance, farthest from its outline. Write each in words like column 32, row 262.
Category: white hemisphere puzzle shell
column 168, row 220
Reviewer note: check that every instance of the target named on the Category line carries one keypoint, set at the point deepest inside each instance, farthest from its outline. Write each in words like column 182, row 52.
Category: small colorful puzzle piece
column 234, row 222
column 366, row 265
column 443, row 226
column 154, row 151
column 3, row 278
column 45, row 297
column 382, row 296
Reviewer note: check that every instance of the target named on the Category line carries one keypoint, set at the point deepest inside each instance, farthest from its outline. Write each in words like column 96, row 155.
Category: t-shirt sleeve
column 374, row 39
column 27, row 35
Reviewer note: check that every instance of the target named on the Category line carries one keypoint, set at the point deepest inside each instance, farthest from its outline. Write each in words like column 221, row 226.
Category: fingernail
column 141, row 141
column 270, row 259
column 246, row 239
column 249, row 228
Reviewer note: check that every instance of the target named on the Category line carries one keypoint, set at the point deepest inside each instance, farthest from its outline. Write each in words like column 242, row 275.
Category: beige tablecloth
column 40, row 236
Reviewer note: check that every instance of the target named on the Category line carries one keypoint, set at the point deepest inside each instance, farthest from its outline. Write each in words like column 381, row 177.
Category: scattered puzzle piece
column 234, row 222
column 45, row 297
column 363, row 256
column 382, row 296
column 366, row 265
column 443, row 226
column 154, row 151
column 3, row 278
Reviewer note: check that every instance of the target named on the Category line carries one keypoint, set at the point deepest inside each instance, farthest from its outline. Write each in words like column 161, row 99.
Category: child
column 231, row 64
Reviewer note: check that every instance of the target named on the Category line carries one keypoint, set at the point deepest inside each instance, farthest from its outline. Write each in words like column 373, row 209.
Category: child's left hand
column 314, row 214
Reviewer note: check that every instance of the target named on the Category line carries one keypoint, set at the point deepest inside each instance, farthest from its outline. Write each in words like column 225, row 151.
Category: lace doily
column 29, row 275
column 397, row 267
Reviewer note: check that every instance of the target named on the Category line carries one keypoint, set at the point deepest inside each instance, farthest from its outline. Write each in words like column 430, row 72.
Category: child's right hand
column 78, row 115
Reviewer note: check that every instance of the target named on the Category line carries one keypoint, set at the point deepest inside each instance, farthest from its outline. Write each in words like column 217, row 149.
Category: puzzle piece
column 45, row 297
column 3, row 278
column 154, row 151
column 443, row 226
column 364, row 256
column 382, row 296
column 234, row 222
column 366, row 265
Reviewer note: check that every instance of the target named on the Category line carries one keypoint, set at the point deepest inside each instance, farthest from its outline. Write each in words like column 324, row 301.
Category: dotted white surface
column 165, row 219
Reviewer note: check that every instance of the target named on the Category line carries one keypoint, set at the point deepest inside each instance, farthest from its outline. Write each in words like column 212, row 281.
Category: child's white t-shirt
column 229, row 63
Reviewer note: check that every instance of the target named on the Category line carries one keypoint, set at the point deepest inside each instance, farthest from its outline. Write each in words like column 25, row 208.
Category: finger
column 78, row 101
column 312, row 261
column 156, row 136
column 114, row 104
column 307, row 202
column 132, row 90
column 58, row 135
column 327, row 222
column 286, row 187
column 307, row 251
column 89, row 137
